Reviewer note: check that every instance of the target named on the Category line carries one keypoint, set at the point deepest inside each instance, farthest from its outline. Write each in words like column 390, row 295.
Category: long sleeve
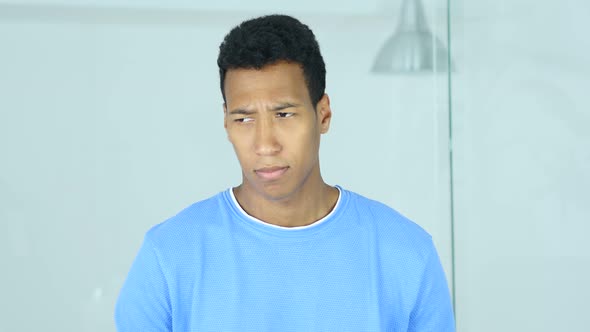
column 144, row 303
column 433, row 310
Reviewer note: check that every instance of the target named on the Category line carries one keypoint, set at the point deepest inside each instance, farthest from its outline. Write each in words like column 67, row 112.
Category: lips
column 271, row 173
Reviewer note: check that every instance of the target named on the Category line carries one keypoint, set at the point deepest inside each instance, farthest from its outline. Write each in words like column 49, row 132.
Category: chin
column 273, row 192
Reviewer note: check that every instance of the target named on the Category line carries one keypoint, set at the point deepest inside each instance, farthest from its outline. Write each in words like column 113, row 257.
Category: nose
column 266, row 143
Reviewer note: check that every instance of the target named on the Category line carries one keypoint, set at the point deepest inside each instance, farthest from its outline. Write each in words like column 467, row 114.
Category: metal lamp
column 412, row 48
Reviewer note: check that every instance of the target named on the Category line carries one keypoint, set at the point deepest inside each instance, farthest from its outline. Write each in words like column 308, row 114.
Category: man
column 283, row 251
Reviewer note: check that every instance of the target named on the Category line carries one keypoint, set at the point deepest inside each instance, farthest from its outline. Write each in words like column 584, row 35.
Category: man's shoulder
column 194, row 218
column 387, row 222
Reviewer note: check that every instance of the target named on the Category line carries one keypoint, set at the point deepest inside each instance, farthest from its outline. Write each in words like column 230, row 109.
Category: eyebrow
column 279, row 107
column 283, row 106
column 241, row 111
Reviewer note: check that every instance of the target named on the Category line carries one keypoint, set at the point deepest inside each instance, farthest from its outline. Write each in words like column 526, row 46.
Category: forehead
column 279, row 80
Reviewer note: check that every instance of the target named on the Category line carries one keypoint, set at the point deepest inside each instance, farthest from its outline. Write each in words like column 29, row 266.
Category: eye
column 243, row 120
column 284, row 114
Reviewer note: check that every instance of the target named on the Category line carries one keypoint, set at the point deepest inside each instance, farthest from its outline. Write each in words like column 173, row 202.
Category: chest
column 335, row 284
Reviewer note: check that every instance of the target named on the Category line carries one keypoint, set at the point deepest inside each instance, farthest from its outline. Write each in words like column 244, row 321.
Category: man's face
column 274, row 128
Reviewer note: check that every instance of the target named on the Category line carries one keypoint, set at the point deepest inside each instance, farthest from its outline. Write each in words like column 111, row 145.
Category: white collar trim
column 245, row 214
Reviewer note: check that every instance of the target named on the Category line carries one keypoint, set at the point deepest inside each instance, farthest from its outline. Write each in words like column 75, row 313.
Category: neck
column 301, row 208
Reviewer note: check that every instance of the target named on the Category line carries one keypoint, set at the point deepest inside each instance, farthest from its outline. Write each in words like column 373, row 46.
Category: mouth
column 271, row 173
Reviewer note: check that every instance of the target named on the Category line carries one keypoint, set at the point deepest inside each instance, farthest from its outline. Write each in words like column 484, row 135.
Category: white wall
column 108, row 125
column 110, row 122
column 522, row 161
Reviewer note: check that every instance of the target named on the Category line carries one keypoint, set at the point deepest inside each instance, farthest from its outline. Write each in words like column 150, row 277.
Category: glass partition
column 521, row 155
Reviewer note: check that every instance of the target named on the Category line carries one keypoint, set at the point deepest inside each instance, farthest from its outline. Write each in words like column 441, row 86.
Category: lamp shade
column 412, row 48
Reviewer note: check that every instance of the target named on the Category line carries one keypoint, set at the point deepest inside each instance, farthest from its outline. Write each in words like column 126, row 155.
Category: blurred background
column 470, row 117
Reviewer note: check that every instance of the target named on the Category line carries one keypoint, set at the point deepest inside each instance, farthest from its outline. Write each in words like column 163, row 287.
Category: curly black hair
column 265, row 40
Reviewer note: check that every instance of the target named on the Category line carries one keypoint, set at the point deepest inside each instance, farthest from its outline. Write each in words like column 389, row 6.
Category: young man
column 283, row 251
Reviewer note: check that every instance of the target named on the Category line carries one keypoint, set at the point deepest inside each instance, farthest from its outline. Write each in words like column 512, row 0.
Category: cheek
column 237, row 138
column 242, row 149
column 242, row 157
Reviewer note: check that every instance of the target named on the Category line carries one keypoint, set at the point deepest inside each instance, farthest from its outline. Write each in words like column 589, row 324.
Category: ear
column 225, row 116
column 324, row 113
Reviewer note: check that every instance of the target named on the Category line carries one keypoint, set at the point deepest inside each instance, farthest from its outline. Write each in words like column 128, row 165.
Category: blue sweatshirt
column 212, row 267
